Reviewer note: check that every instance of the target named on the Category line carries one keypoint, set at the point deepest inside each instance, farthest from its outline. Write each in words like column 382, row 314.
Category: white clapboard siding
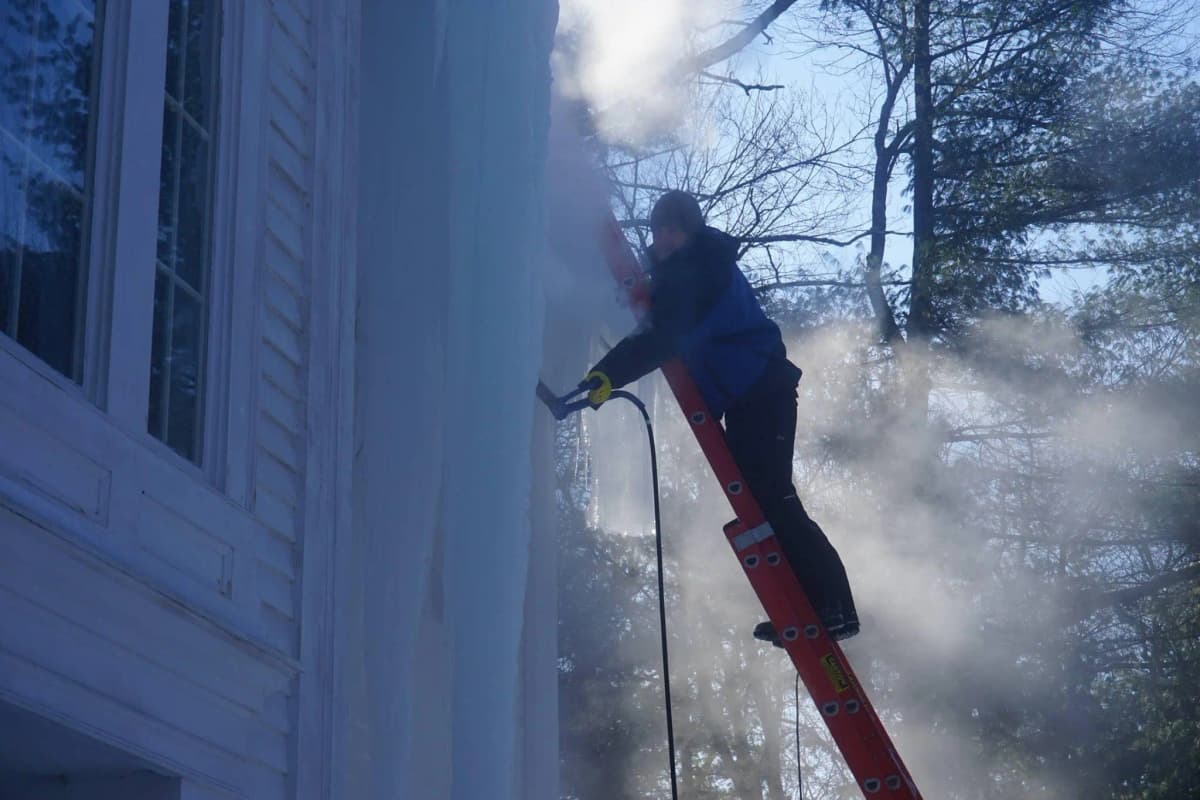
column 168, row 690
column 283, row 303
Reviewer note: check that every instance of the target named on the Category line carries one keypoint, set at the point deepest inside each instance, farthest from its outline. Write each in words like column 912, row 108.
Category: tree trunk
column 920, row 313
column 920, row 323
column 888, row 331
column 885, row 160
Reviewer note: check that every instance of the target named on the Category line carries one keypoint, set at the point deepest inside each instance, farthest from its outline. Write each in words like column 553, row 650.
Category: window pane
column 168, row 180
column 177, row 15
column 7, row 268
column 12, row 216
column 46, row 63
column 190, row 253
column 184, row 220
column 61, row 86
column 200, row 56
column 158, row 354
column 49, row 270
column 187, row 327
column 17, row 29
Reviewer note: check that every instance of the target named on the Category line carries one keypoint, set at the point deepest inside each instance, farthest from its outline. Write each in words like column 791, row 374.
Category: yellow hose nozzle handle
column 601, row 387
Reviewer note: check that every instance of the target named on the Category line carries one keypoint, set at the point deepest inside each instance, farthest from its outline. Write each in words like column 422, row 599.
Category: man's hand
column 599, row 387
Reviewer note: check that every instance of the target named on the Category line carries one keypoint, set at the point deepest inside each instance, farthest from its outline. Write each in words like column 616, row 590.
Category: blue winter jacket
column 703, row 311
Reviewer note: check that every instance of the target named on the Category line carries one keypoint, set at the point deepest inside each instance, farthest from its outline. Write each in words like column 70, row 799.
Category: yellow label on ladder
column 834, row 671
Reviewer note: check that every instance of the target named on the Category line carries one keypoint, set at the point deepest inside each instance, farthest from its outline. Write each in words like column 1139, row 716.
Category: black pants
column 761, row 433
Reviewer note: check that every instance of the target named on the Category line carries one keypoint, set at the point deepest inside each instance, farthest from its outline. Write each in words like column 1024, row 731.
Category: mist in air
column 1016, row 501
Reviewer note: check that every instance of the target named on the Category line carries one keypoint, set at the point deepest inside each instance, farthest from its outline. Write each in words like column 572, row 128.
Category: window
column 116, row 235
column 181, row 283
column 132, row 187
column 47, row 62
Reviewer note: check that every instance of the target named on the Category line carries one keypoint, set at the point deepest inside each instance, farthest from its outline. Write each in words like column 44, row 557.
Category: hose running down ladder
column 561, row 408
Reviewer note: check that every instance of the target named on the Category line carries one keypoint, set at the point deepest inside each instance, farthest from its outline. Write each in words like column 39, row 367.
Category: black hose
column 561, row 408
column 662, row 602
column 799, row 768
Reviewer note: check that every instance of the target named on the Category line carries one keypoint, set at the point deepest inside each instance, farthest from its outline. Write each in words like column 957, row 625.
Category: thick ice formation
column 440, row 621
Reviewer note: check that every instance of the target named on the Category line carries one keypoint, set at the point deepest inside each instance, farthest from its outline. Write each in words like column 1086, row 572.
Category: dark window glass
column 158, row 355
column 47, row 60
column 181, row 287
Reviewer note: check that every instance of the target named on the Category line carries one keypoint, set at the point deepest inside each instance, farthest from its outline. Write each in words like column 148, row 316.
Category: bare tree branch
column 745, row 87
column 818, row 282
column 737, row 42
column 1097, row 601
column 775, row 238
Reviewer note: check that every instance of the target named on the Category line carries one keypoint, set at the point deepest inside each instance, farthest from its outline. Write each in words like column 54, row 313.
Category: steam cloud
column 945, row 600
column 620, row 57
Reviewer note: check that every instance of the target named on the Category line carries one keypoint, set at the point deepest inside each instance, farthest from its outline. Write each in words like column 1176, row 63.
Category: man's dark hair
column 679, row 210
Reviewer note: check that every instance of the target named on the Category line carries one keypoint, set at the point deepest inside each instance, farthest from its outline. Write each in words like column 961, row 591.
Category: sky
column 628, row 47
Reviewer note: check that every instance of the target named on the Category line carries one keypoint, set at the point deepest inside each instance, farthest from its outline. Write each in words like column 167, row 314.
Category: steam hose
column 799, row 766
column 561, row 408
column 662, row 601
column 662, row 610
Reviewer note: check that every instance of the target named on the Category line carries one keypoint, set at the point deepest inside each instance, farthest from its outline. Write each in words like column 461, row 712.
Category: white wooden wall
column 283, row 313
column 234, row 626
column 140, row 603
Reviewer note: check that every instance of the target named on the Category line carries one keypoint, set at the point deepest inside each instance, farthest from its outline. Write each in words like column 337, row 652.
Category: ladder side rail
column 823, row 667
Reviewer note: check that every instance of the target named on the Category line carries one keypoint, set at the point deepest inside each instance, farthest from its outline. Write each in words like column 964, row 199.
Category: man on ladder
column 703, row 311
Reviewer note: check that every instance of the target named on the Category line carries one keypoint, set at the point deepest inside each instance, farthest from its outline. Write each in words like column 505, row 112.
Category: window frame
column 137, row 60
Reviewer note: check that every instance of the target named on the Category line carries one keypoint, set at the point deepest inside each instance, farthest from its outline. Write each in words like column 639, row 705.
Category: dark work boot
column 844, row 631
column 765, row 631
column 841, row 622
